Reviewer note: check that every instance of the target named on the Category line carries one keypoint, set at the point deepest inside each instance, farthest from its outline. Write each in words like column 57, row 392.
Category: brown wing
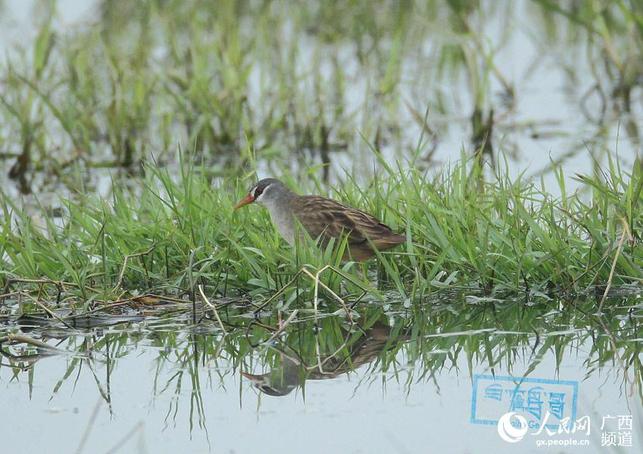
column 325, row 218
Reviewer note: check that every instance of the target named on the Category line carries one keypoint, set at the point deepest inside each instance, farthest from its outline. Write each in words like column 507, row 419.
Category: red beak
column 245, row 201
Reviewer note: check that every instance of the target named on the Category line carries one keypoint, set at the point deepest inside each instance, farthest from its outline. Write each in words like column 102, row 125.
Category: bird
column 323, row 219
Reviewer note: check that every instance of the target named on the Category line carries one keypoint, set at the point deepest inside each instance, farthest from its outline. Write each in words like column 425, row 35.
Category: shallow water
column 399, row 380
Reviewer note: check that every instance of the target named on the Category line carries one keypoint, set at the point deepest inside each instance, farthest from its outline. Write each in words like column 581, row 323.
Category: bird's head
column 272, row 386
column 262, row 192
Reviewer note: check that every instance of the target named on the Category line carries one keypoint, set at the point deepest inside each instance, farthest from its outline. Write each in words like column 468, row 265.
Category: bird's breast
column 285, row 223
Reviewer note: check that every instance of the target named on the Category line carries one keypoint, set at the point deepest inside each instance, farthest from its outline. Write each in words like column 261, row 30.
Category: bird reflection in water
column 291, row 373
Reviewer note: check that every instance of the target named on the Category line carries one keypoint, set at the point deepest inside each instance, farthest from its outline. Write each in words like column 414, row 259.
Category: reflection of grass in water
column 172, row 236
column 448, row 335
column 145, row 76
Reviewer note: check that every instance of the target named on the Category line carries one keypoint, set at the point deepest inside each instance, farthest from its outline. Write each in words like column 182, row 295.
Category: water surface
column 398, row 380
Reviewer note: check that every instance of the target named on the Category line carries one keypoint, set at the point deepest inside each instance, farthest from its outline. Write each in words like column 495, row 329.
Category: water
column 553, row 118
column 401, row 380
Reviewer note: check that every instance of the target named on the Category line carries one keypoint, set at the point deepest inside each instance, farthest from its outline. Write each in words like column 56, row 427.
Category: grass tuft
column 172, row 234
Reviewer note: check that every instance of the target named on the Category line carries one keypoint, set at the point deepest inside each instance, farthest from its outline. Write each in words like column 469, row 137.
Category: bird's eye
column 258, row 191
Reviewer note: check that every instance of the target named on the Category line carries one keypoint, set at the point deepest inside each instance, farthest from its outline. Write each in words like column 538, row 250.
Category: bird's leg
column 381, row 275
column 364, row 269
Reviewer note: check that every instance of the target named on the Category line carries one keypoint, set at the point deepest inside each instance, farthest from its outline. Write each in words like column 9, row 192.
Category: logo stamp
column 510, row 431
column 543, row 409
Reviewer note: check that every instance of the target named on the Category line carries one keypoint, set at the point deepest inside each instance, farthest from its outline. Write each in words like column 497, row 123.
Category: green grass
column 463, row 228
